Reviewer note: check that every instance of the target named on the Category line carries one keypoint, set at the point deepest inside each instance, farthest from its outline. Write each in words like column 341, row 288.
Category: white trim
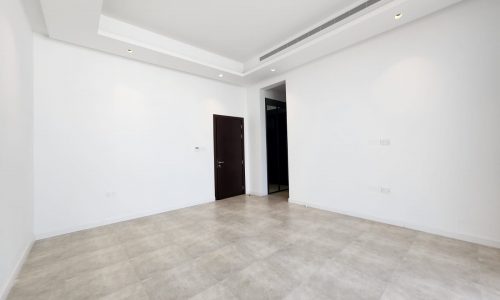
column 49, row 234
column 4, row 291
column 127, row 33
column 444, row 233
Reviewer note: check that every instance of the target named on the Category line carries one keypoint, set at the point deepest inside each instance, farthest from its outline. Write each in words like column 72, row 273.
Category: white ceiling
column 220, row 39
column 235, row 29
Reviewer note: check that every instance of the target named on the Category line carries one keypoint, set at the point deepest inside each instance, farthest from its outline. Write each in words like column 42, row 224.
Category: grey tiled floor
column 256, row 248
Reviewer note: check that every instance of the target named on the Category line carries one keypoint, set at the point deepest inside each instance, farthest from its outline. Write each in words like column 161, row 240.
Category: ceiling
column 221, row 39
column 239, row 30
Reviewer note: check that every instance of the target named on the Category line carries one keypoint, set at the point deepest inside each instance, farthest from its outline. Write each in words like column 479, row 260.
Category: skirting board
column 257, row 194
column 45, row 235
column 4, row 291
column 457, row 236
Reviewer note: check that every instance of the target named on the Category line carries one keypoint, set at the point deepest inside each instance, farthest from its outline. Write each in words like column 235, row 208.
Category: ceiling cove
column 243, row 42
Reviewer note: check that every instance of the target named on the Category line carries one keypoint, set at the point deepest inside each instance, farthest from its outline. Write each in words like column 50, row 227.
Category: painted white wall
column 16, row 140
column 432, row 89
column 115, row 138
column 256, row 148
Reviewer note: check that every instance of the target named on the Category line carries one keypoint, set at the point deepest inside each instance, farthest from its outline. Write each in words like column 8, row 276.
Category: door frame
column 216, row 181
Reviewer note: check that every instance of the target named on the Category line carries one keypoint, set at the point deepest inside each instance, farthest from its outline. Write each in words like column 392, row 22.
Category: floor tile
column 304, row 292
column 134, row 229
column 250, row 247
column 93, row 260
column 489, row 294
column 259, row 281
column 489, row 255
column 215, row 292
column 405, row 287
column 427, row 277
column 295, row 262
column 180, row 282
column 99, row 283
column 159, row 260
column 446, row 249
column 337, row 280
column 490, row 276
column 204, row 245
column 39, row 288
column 224, row 261
column 69, row 267
column 51, row 252
column 261, row 246
column 146, row 244
column 131, row 292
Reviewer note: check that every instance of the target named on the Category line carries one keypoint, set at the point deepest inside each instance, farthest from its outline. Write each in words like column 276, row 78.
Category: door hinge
column 241, row 161
column 242, row 187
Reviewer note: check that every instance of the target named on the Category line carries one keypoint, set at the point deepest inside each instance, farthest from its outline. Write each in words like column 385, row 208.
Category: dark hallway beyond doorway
column 277, row 146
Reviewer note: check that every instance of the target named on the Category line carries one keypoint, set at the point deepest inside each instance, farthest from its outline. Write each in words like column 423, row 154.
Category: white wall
column 431, row 88
column 116, row 138
column 16, row 134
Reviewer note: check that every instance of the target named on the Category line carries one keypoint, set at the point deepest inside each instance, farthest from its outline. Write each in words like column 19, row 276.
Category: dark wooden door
column 229, row 157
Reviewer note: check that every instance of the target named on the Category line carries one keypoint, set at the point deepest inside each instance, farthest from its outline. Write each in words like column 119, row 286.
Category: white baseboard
column 453, row 235
column 44, row 235
column 4, row 291
column 256, row 194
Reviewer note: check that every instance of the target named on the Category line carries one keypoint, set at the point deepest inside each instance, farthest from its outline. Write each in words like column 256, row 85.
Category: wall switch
column 385, row 142
column 385, row 190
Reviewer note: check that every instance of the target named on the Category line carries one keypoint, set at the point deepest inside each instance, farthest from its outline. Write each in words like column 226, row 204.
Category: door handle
column 220, row 162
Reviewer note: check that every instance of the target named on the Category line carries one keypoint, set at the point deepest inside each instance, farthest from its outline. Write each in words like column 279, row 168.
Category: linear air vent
column 322, row 27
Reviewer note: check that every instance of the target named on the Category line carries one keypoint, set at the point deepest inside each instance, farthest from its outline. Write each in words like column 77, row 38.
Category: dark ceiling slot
column 321, row 27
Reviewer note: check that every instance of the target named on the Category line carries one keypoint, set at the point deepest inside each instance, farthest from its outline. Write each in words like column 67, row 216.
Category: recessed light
column 273, row 70
column 130, row 51
column 398, row 16
column 221, row 75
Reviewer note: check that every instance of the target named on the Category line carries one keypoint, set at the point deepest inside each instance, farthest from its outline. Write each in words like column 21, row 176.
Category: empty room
column 230, row 149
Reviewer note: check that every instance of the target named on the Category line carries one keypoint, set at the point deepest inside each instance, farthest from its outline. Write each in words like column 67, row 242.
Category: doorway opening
column 276, row 138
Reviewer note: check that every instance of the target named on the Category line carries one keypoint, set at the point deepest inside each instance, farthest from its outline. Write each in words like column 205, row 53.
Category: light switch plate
column 385, row 142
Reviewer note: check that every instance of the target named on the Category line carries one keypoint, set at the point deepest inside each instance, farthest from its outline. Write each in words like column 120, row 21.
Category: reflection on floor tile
column 256, row 248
